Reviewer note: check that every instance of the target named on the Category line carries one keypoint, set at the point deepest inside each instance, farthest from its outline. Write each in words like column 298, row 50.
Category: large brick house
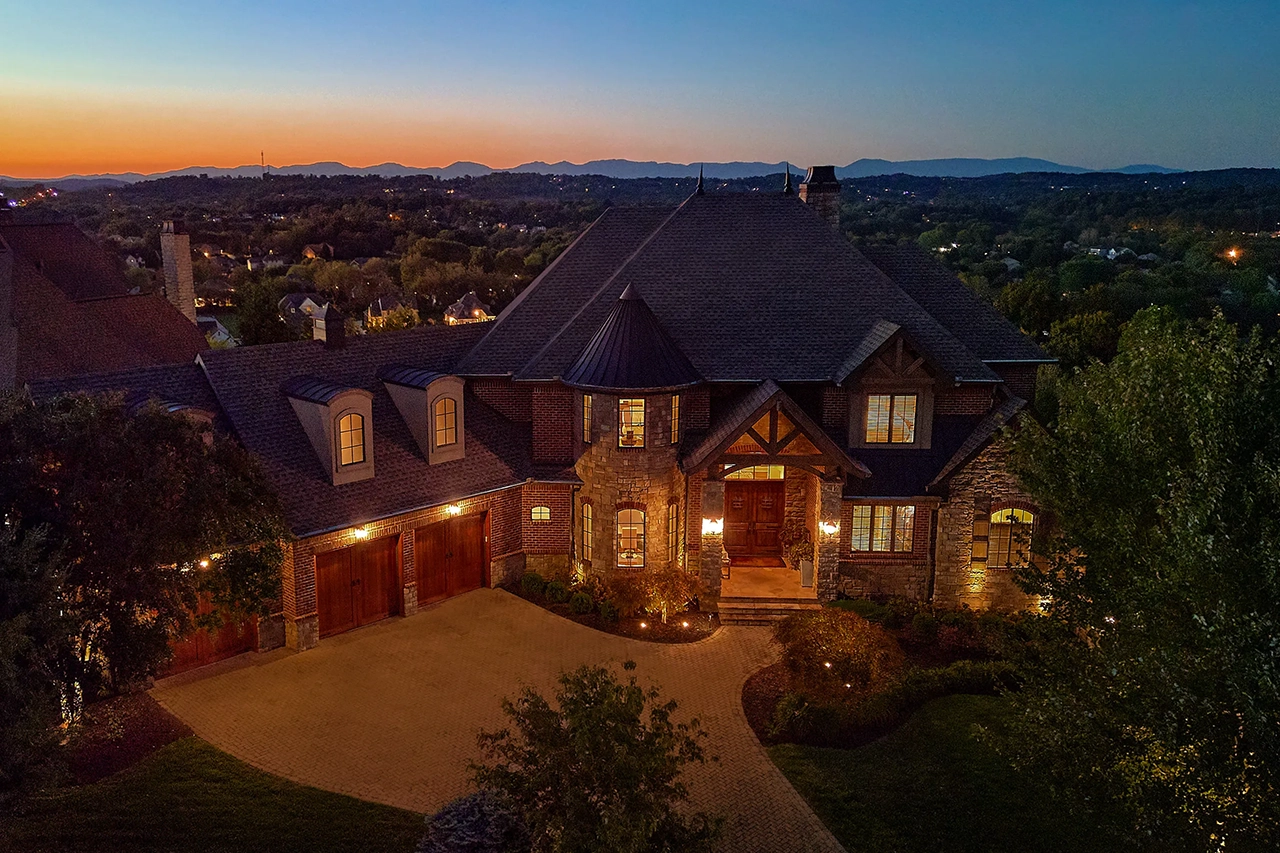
column 685, row 388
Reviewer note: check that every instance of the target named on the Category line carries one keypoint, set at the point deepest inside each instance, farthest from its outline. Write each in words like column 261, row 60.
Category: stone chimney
column 822, row 190
column 331, row 327
column 175, row 251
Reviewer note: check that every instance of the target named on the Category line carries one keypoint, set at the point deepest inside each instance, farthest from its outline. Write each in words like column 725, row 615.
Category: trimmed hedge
column 581, row 603
column 533, row 584
column 557, row 592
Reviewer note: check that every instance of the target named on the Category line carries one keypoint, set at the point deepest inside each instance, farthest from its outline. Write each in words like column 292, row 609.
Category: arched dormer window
column 631, row 524
column 445, row 427
column 351, row 439
column 1010, row 537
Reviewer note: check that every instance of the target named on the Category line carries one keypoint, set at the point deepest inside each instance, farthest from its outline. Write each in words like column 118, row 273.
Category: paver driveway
column 390, row 712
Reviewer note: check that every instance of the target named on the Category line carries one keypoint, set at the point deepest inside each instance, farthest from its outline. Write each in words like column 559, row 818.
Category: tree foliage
column 599, row 770
column 1163, row 690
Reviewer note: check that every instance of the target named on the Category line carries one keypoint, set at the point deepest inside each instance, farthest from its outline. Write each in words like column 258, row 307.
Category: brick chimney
column 821, row 189
column 175, row 251
column 331, row 327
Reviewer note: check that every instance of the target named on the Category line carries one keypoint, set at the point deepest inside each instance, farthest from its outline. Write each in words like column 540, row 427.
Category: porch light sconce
column 454, row 509
column 712, row 526
column 360, row 533
column 829, row 527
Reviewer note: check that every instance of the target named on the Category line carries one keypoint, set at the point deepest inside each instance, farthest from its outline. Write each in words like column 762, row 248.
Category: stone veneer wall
column 616, row 477
column 983, row 484
column 888, row 574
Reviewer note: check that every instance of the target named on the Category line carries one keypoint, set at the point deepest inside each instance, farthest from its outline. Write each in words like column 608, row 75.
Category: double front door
column 357, row 585
column 449, row 557
column 753, row 515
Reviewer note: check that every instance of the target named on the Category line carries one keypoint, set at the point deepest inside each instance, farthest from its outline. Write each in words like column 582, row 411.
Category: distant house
column 1012, row 264
column 376, row 314
column 468, row 309
column 67, row 310
column 214, row 332
column 207, row 250
column 1149, row 258
column 298, row 309
column 322, row 251
column 1121, row 254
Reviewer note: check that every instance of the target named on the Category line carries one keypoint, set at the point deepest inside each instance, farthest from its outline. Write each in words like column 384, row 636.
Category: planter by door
column 357, row 585
column 450, row 557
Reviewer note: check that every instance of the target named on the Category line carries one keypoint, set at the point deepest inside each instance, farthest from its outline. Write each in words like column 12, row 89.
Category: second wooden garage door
column 357, row 585
column 449, row 557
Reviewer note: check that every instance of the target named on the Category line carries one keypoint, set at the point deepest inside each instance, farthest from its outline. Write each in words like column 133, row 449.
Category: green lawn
column 932, row 787
column 188, row 796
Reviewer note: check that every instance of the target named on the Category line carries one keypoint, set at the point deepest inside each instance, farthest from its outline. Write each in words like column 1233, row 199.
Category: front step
column 762, row 611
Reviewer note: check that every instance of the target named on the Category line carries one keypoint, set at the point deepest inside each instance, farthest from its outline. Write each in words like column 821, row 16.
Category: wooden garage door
column 203, row 647
column 357, row 585
column 449, row 557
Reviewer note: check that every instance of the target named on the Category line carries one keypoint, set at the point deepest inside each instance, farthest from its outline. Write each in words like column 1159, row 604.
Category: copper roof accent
column 313, row 389
column 631, row 352
column 409, row 377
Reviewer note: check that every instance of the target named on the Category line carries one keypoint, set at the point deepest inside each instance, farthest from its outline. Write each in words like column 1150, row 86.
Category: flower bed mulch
column 760, row 696
column 700, row 625
column 117, row 733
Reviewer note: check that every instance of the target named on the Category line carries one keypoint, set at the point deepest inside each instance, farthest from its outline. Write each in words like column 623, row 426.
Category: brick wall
column 965, row 400
column 547, row 537
column 553, row 423
column 887, row 573
column 1019, row 379
column 835, row 409
column 697, row 403
column 514, row 402
column 972, row 492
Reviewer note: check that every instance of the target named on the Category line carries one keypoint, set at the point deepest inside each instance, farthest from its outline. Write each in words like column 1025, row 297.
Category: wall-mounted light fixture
column 454, row 509
column 712, row 526
column 829, row 527
column 360, row 533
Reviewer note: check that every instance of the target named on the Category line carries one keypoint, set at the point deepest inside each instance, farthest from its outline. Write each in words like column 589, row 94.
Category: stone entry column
column 712, row 522
column 827, row 541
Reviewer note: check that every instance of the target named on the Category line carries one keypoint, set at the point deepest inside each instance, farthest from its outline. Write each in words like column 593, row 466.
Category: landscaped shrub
column 477, row 823
column 627, row 592
column 581, row 603
column 557, row 592
column 864, row 607
column 831, row 651
column 670, row 589
column 533, row 584
column 608, row 611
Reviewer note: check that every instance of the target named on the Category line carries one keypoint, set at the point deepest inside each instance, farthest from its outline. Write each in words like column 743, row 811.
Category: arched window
column 540, row 513
column 351, row 439
column 446, row 425
column 631, row 538
column 588, row 532
column 1010, row 537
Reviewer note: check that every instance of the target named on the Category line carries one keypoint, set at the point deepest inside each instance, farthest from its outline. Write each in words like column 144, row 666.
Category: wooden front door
column 753, row 514
column 449, row 557
column 357, row 585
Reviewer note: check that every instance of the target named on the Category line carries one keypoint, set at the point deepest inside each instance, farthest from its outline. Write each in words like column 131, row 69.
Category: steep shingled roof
column 748, row 286
column 67, row 257
column 631, row 352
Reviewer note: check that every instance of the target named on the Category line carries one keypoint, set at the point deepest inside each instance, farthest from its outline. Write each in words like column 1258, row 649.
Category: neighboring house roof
column 745, row 284
column 982, row 329
column 386, row 304
column 466, row 307
column 631, row 352
column 182, row 384
column 246, row 381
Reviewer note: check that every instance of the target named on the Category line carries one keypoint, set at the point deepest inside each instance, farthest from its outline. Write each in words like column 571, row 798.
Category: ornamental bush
column 608, row 611
column 557, row 592
column 627, row 592
column 581, row 603
column 533, row 584
column 482, row 822
column 831, row 651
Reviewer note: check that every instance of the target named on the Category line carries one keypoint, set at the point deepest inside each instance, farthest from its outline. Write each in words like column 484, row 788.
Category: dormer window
column 891, row 418
column 446, row 422
column 631, row 422
column 350, row 439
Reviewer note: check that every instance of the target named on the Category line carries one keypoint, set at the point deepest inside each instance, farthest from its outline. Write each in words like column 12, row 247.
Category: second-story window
column 446, row 422
column 891, row 419
column 631, row 423
column 351, row 440
column 586, row 418
column 675, row 418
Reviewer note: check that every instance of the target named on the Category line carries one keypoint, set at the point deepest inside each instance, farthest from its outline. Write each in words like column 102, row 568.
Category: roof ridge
column 600, row 291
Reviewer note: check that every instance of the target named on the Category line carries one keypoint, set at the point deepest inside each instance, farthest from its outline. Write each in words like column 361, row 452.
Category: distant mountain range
column 956, row 167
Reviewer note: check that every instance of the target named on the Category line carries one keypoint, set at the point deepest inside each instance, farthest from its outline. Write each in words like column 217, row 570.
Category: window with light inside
column 586, row 418
column 631, row 423
column 1009, row 537
column 882, row 527
column 351, row 439
column 675, row 418
column 891, row 418
column 446, row 422
column 588, row 531
column 673, row 532
column 631, row 539
column 540, row 513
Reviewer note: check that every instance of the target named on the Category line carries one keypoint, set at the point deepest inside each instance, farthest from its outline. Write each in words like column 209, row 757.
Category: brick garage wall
column 972, row 492
column 887, row 574
column 553, row 424
column 965, row 400
column 1019, row 379
column 514, row 402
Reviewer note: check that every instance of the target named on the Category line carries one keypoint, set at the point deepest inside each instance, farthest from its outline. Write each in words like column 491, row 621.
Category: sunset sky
column 89, row 87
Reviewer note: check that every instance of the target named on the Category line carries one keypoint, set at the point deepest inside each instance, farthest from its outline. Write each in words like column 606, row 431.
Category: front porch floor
column 757, row 582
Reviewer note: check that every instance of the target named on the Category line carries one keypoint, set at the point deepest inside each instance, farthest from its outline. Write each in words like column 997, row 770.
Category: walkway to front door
column 390, row 712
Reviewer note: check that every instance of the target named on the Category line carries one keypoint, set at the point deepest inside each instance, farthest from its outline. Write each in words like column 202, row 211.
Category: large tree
column 1162, row 692
column 145, row 510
